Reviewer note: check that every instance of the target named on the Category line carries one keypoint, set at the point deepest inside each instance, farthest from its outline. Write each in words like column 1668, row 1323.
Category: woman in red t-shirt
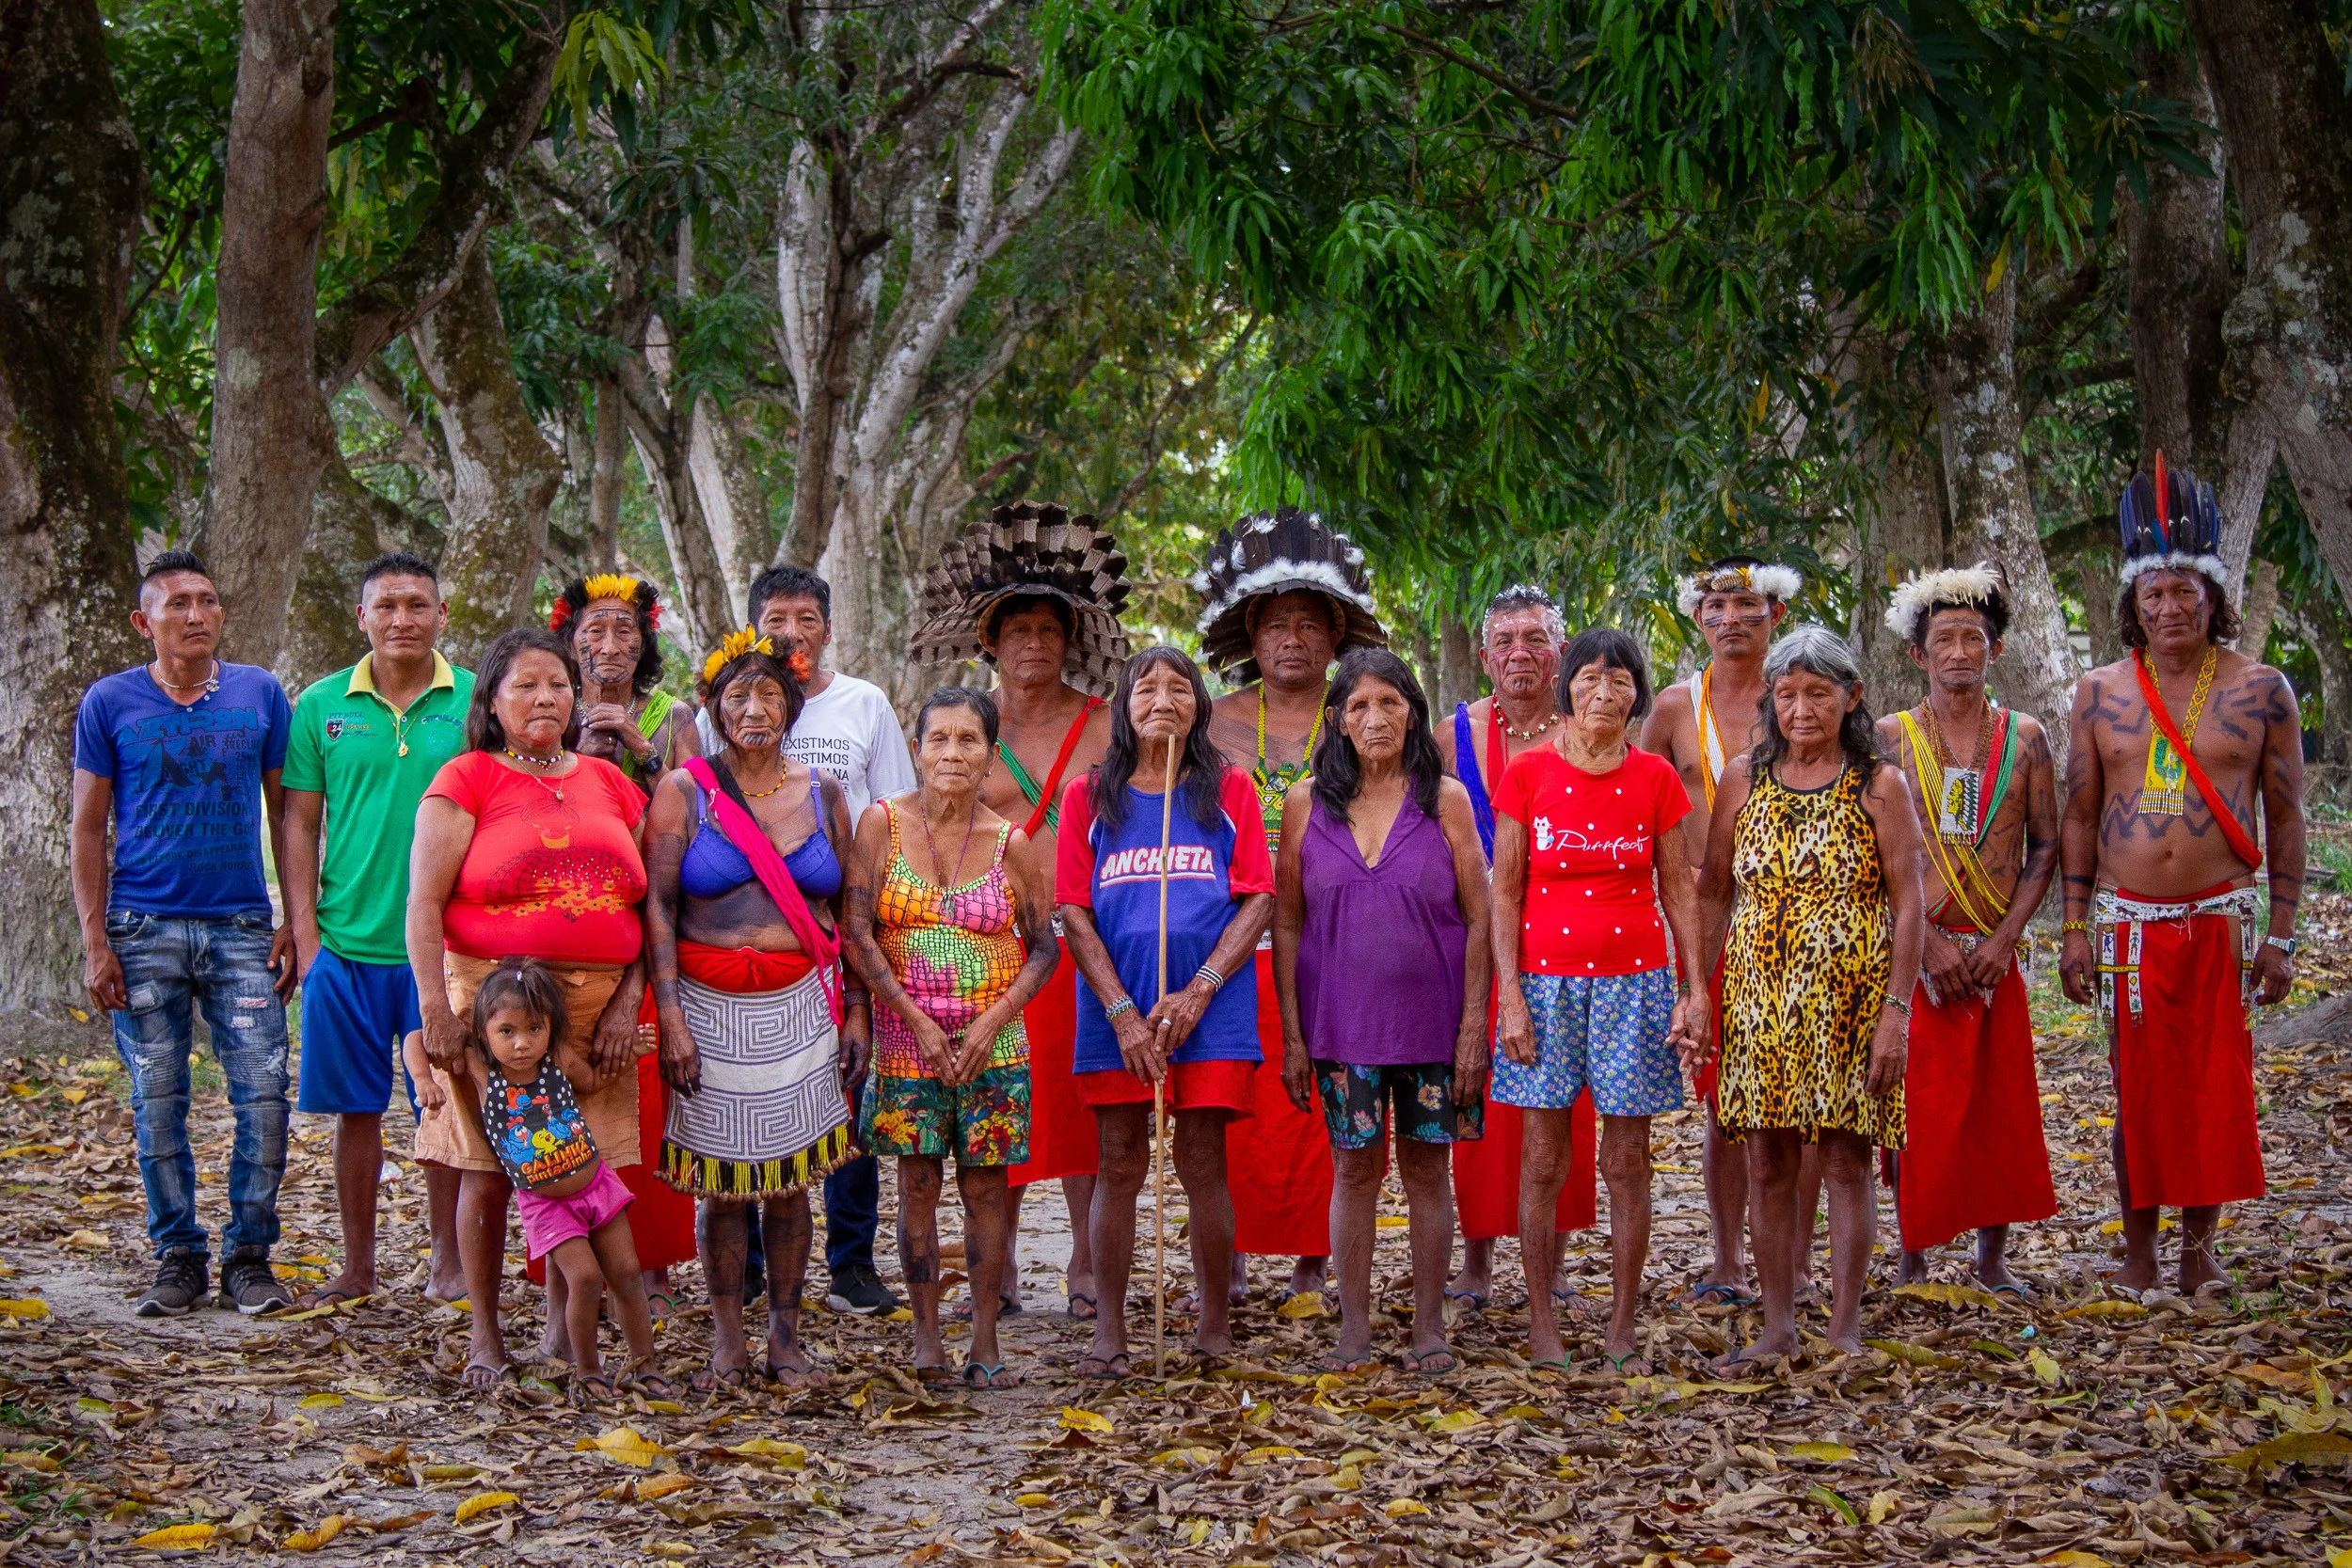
column 1588, row 845
column 525, row 848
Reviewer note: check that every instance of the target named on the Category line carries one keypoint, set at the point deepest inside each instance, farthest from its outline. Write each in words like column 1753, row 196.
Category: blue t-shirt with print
column 187, row 785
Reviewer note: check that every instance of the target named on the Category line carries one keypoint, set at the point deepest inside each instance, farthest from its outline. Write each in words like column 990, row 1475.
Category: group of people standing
column 769, row 945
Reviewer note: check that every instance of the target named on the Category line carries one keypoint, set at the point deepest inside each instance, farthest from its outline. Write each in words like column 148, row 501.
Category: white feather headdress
column 1769, row 578
column 1980, row 584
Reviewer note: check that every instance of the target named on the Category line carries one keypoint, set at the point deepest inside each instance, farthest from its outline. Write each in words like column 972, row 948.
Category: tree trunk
column 71, row 189
column 2324, row 625
column 502, row 474
column 347, row 525
column 733, row 504
column 1974, row 378
column 1903, row 534
column 1457, row 664
column 2095, row 583
column 2280, row 91
column 605, row 478
column 866, row 385
column 266, row 459
column 2262, row 609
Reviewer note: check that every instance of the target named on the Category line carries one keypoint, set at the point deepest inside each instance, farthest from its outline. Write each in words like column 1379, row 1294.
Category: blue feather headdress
column 2169, row 523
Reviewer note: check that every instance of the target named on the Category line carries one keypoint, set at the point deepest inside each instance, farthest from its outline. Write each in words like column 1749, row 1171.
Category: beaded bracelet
column 1124, row 1005
column 1216, row 981
column 2082, row 926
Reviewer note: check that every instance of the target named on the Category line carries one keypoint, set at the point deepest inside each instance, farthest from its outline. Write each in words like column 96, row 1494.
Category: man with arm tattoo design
column 1973, row 1157
column 2176, row 749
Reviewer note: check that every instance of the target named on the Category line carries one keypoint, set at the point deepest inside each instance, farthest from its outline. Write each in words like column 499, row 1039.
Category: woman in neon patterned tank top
column 951, row 959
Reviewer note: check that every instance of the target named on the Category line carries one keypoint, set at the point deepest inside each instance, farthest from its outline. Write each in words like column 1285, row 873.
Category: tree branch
column 473, row 178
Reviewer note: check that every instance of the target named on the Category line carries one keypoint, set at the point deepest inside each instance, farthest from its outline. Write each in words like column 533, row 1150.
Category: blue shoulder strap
column 1466, row 769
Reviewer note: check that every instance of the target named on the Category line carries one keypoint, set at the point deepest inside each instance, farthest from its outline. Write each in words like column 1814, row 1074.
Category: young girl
column 574, row 1206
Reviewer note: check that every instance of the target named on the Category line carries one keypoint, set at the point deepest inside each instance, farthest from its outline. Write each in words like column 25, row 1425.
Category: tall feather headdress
column 2169, row 523
column 1283, row 551
column 1029, row 548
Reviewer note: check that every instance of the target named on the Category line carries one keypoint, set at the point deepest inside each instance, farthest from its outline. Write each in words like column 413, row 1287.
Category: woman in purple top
column 1381, row 873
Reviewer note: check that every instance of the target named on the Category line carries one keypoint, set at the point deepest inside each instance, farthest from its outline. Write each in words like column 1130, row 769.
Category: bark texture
column 920, row 197
column 501, row 473
column 608, row 452
column 2280, row 91
column 1973, row 377
column 1457, row 666
column 348, row 527
column 1903, row 534
column 265, row 457
column 71, row 188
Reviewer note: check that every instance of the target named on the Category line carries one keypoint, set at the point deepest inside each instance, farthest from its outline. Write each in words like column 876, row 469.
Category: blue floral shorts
column 1356, row 1102
column 1605, row 1031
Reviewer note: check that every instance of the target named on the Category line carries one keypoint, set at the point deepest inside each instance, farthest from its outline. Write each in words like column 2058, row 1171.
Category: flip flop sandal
column 1116, row 1369
column 662, row 1304
column 2023, row 1292
column 1715, row 1293
column 313, row 1299
column 1476, row 1302
column 1332, row 1361
column 933, row 1377
column 708, row 1382
column 1007, row 1306
column 593, row 1388
column 1617, row 1363
column 1087, row 1316
column 652, row 1384
column 1418, row 1362
column 1549, row 1364
column 981, row 1374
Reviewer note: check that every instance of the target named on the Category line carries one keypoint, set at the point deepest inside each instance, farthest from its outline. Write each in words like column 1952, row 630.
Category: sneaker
column 859, row 1288
column 247, row 1284
column 182, row 1280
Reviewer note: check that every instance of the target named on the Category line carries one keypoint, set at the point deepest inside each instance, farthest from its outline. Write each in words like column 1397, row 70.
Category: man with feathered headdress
column 1036, row 593
column 614, row 620
column 1699, row 725
column 1973, row 1158
column 2174, row 752
column 1282, row 596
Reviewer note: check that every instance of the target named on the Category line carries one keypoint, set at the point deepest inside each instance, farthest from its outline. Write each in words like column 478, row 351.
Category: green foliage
column 1555, row 282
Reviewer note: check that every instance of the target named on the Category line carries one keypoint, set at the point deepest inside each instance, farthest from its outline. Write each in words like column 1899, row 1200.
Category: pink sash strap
column 750, row 840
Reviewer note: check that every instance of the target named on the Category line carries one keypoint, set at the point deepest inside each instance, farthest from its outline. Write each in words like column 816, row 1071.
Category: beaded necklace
column 1272, row 782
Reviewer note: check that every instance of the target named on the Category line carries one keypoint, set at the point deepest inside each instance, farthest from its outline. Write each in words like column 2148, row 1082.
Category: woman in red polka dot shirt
column 1588, row 847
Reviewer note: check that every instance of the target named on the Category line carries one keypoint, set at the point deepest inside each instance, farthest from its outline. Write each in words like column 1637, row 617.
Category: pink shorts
column 550, row 1222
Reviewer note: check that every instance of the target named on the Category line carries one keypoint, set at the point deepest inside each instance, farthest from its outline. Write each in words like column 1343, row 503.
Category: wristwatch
column 2284, row 945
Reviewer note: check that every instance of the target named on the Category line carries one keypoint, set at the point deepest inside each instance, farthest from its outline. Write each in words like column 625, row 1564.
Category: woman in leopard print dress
column 1815, row 836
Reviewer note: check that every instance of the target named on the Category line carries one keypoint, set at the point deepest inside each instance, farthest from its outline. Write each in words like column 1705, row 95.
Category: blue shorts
column 353, row 1016
column 1605, row 1031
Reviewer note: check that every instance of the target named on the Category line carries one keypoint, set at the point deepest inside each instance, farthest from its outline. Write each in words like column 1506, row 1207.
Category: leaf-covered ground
column 2070, row 1431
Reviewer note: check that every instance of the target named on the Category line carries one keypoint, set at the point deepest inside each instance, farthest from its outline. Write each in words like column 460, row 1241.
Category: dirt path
column 1977, row 1431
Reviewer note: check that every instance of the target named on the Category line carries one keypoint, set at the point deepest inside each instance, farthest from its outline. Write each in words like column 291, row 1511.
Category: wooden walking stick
column 1159, row 1094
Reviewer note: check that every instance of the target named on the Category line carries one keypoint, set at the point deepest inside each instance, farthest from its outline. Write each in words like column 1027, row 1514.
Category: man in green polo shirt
column 366, row 744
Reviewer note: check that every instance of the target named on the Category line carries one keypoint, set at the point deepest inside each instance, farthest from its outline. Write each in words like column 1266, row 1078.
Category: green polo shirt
column 346, row 745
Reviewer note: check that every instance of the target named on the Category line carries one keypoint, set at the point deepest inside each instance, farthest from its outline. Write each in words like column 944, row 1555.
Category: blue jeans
column 852, row 1207
column 170, row 964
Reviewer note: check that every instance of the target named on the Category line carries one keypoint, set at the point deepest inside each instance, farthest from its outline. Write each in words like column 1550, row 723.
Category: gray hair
column 1519, row 597
column 1818, row 651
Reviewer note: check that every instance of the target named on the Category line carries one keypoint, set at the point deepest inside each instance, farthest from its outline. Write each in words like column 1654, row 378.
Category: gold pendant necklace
column 1535, row 734
column 540, row 765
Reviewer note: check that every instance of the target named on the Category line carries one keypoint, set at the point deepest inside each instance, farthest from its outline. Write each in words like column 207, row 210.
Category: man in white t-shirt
column 849, row 729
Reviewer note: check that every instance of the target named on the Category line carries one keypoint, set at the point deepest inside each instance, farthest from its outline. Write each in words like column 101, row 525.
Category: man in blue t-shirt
column 184, row 754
